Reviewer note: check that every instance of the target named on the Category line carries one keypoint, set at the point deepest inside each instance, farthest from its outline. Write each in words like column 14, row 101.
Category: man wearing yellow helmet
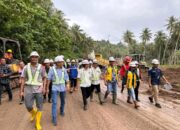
column 8, row 56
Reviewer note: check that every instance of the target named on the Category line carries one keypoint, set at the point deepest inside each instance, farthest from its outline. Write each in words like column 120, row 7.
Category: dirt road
column 107, row 117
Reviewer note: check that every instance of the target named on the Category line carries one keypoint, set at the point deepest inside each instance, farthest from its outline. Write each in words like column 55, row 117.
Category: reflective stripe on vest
column 57, row 79
column 95, row 75
column 33, row 80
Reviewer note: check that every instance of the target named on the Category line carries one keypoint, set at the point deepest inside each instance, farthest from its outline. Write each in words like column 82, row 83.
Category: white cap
column 95, row 61
column 46, row 61
column 34, row 53
column 73, row 61
column 68, row 60
column 111, row 59
column 155, row 61
column 85, row 62
column 77, row 60
column 136, row 62
column 59, row 59
column 132, row 64
column 51, row 61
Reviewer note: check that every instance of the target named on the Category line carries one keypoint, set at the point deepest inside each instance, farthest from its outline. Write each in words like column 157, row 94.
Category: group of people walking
column 56, row 77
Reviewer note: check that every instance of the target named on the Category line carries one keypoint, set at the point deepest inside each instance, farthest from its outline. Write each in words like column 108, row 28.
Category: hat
column 155, row 61
column 51, row 61
column 90, row 62
column 95, row 61
column 9, row 51
column 111, row 59
column 132, row 64
column 136, row 62
column 46, row 61
column 73, row 61
column 34, row 53
column 68, row 60
column 59, row 59
column 85, row 62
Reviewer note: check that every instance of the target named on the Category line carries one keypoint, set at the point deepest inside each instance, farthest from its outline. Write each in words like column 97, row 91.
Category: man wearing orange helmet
column 123, row 70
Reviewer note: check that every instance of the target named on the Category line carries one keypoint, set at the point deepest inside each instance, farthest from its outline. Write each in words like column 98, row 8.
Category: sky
column 109, row 19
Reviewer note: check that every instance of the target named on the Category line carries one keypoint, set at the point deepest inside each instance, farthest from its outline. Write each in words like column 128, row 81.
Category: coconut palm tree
column 146, row 35
column 128, row 38
column 160, row 40
column 170, row 27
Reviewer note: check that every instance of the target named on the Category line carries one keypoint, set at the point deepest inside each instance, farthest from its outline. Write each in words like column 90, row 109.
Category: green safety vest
column 33, row 79
column 57, row 79
column 95, row 76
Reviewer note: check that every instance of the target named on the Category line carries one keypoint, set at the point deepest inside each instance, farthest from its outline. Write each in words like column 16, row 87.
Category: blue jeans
column 54, row 102
column 131, row 93
column 112, row 87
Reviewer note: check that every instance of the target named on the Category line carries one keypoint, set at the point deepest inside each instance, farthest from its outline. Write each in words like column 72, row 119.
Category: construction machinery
column 140, row 58
column 99, row 58
column 5, row 44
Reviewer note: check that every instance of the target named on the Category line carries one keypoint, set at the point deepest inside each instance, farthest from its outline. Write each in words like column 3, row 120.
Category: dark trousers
column 86, row 92
column 50, row 93
column 8, row 89
column 137, row 90
column 73, row 83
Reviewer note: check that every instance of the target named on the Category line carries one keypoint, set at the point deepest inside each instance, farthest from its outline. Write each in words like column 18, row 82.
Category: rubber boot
column 38, row 120
column 114, row 101
column 33, row 114
column 129, row 100
column 100, row 99
column 105, row 96
column 136, row 105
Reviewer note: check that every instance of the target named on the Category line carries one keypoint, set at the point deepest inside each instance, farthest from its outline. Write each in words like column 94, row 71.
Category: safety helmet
column 59, row 59
column 9, row 51
column 111, row 59
column 132, row 64
column 155, row 61
column 73, row 61
column 51, row 61
column 95, row 61
column 46, row 61
column 85, row 62
column 34, row 53
column 68, row 60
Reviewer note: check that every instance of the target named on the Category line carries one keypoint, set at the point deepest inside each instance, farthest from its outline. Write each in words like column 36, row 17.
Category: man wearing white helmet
column 47, row 68
column 111, row 80
column 60, row 81
column 155, row 74
column 73, row 72
column 138, row 72
column 96, row 77
column 131, row 84
column 84, row 81
column 33, row 84
column 51, row 62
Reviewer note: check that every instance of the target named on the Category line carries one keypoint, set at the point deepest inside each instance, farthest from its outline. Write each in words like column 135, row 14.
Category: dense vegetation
column 39, row 26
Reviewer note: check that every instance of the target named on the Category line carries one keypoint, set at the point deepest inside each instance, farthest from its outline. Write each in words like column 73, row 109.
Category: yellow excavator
column 5, row 44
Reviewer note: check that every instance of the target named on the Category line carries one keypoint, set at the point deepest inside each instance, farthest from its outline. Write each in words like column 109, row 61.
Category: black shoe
column 158, row 105
column 137, row 100
column 151, row 99
column 62, row 114
column 85, row 107
column 49, row 101
column 21, row 102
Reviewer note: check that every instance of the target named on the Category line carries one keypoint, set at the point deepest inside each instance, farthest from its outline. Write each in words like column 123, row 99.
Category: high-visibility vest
column 57, row 79
column 33, row 79
column 109, row 75
column 130, row 77
column 95, row 75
